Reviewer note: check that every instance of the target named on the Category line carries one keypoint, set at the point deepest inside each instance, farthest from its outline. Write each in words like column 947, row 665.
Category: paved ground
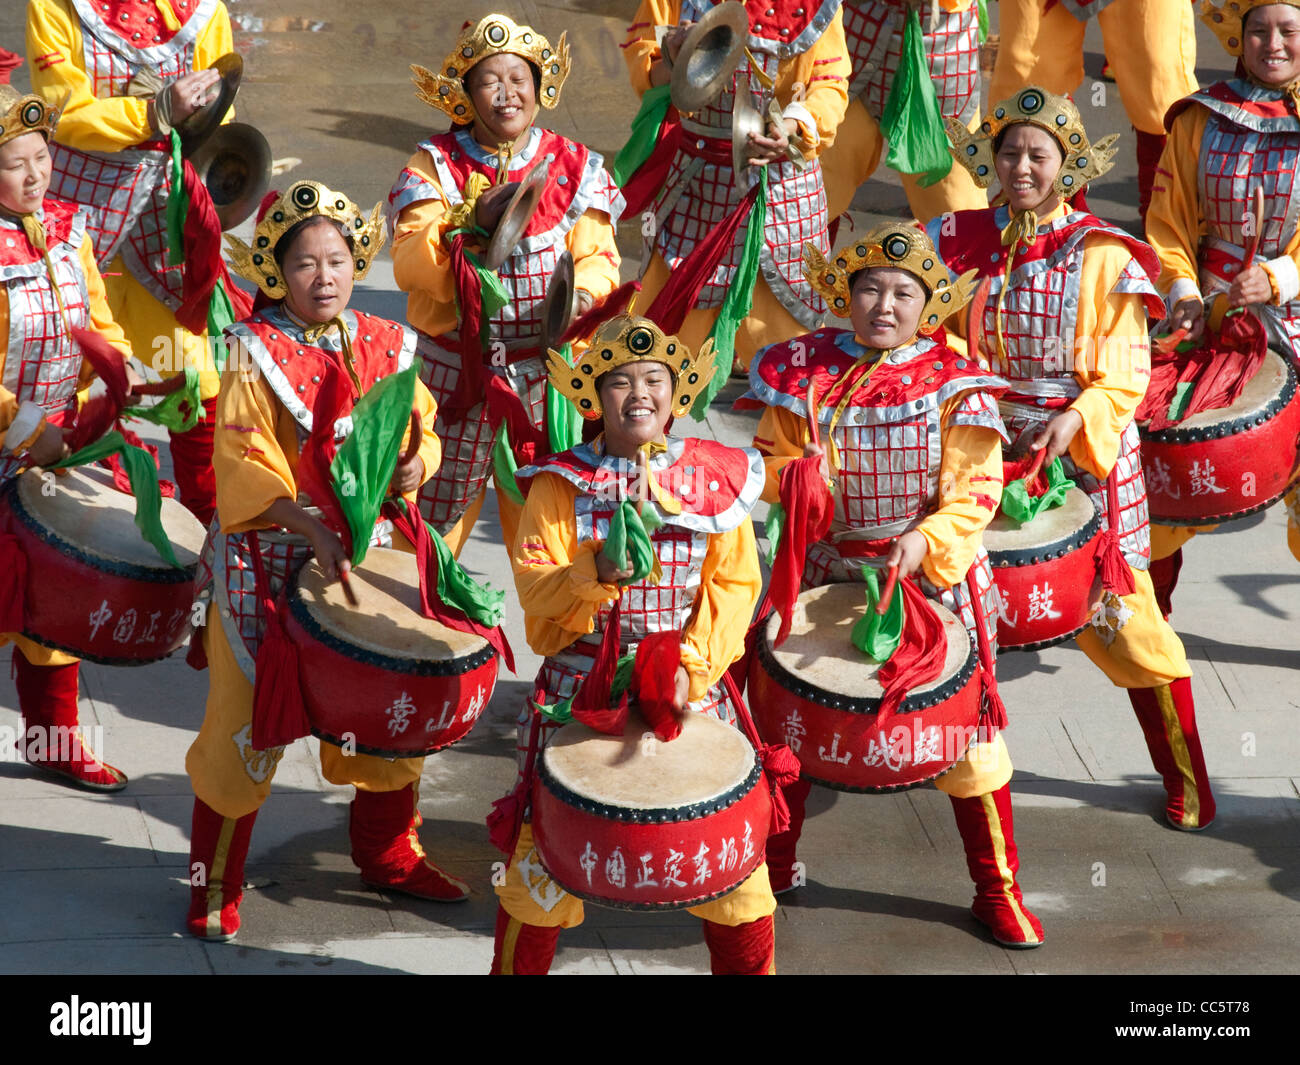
column 96, row 884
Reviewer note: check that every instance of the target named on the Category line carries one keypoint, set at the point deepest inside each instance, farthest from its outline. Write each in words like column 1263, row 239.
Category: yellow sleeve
column 254, row 449
column 640, row 49
column 54, row 50
column 970, row 489
column 555, row 575
column 430, row 445
column 1112, row 357
column 595, row 254
column 823, row 72
column 1174, row 223
column 421, row 259
column 779, row 438
column 730, row 583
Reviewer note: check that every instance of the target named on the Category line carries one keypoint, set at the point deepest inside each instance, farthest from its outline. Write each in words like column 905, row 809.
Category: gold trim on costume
column 621, row 340
column 491, row 35
column 303, row 200
column 1038, row 107
column 898, row 246
column 1182, row 758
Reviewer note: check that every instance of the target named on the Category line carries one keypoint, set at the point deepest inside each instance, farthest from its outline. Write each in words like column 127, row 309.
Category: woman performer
column 1225, row 141
column 567, row 587
column 49, row 285
column 796, row 55
column 309, row 247
column 130, row 71
column 892, row 397
column 874, row 30
column 1066, row 324
column 491, row 85
column 1150, row 48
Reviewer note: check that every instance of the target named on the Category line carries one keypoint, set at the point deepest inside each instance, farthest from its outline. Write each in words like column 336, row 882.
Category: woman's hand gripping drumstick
column 1055, row 437
column 814, row 445
column 904, row 559
column 409, row 474
column 325, row 544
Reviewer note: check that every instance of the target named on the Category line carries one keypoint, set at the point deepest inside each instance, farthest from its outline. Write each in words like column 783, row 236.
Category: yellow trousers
column 984, row 768
column 1131, row 642
column 528, row 894
column 855, row 156
column 1150, row 45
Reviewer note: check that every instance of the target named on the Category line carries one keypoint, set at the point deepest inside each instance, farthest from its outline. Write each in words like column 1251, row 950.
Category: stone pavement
column 98, row 884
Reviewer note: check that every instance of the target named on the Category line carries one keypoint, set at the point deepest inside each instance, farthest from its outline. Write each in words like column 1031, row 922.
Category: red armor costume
column 798, row 45
column 710, row 583
column 41, row 371
column 1066, row 324
column 264, row 416
column 918, row 445
column 109, row 57
column 434, row 196
column 873, row 31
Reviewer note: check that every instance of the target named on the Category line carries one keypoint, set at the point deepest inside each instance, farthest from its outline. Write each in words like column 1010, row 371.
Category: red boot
column 522, row 949
column 987, row 832
column 47, row 696
column 1167, row 715
column 218, row 849
column 1149, row 148
column 782, row 865
column 387, row 850
column 742, row 950
column 1164, row 578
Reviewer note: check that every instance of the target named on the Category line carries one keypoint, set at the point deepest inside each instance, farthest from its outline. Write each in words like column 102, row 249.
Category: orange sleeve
column 421, row 259
column 1174, row 223
column 641, row 50
column 595, row 254
column 779, row 438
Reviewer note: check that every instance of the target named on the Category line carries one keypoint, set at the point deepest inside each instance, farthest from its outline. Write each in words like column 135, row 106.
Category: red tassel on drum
column 279, row 714
column 654, row 682
column 1112, row 567
column 506, row 818
column 591, row 705
column 993, row 711
column 780, row 764
column 13, row 584
column 808, row 511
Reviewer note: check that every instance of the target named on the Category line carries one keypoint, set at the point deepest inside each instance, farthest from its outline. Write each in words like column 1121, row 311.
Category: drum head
column 388, row 622
column 1060, row 527
column 85, row 510
column 1261, row 391
column 820, row 648
column 638, row 771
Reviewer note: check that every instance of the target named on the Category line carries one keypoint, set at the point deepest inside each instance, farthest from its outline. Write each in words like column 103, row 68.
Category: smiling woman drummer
column 702, row 493
column 917, row 472
column 1224, row 142
column 49, row 284
column 1065, row 323
column 309, row 247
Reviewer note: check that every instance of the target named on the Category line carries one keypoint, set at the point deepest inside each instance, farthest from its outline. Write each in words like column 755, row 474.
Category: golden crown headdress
column 21, row 114
column 1228, row 20
column 303, row 200
column 898, row 246
column 1038, row 107
column 491, row 35
column 621, row 340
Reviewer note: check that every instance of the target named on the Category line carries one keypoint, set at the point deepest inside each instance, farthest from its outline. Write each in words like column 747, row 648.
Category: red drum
column 1044, row 571
column 95, row 587
column 818, row 693
column 381, row 678
column 1228, row 463
column 638, row 824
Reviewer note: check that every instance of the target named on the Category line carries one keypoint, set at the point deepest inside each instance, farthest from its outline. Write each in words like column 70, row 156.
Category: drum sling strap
column 279, row 712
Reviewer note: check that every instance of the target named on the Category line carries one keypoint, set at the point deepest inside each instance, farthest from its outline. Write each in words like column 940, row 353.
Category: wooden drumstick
column 417, row 438
column 891, row 582
column 1252, row 245
column 1035, row 467
column 345, row 579
column 1166, row 344
column 810, row 406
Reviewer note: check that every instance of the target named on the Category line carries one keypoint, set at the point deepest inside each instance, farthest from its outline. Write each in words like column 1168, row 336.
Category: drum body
column 1045, row 571
column 1228, row 463
column 95, row 588
column 638, row 824
column 381, row 678
column 819, row 694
